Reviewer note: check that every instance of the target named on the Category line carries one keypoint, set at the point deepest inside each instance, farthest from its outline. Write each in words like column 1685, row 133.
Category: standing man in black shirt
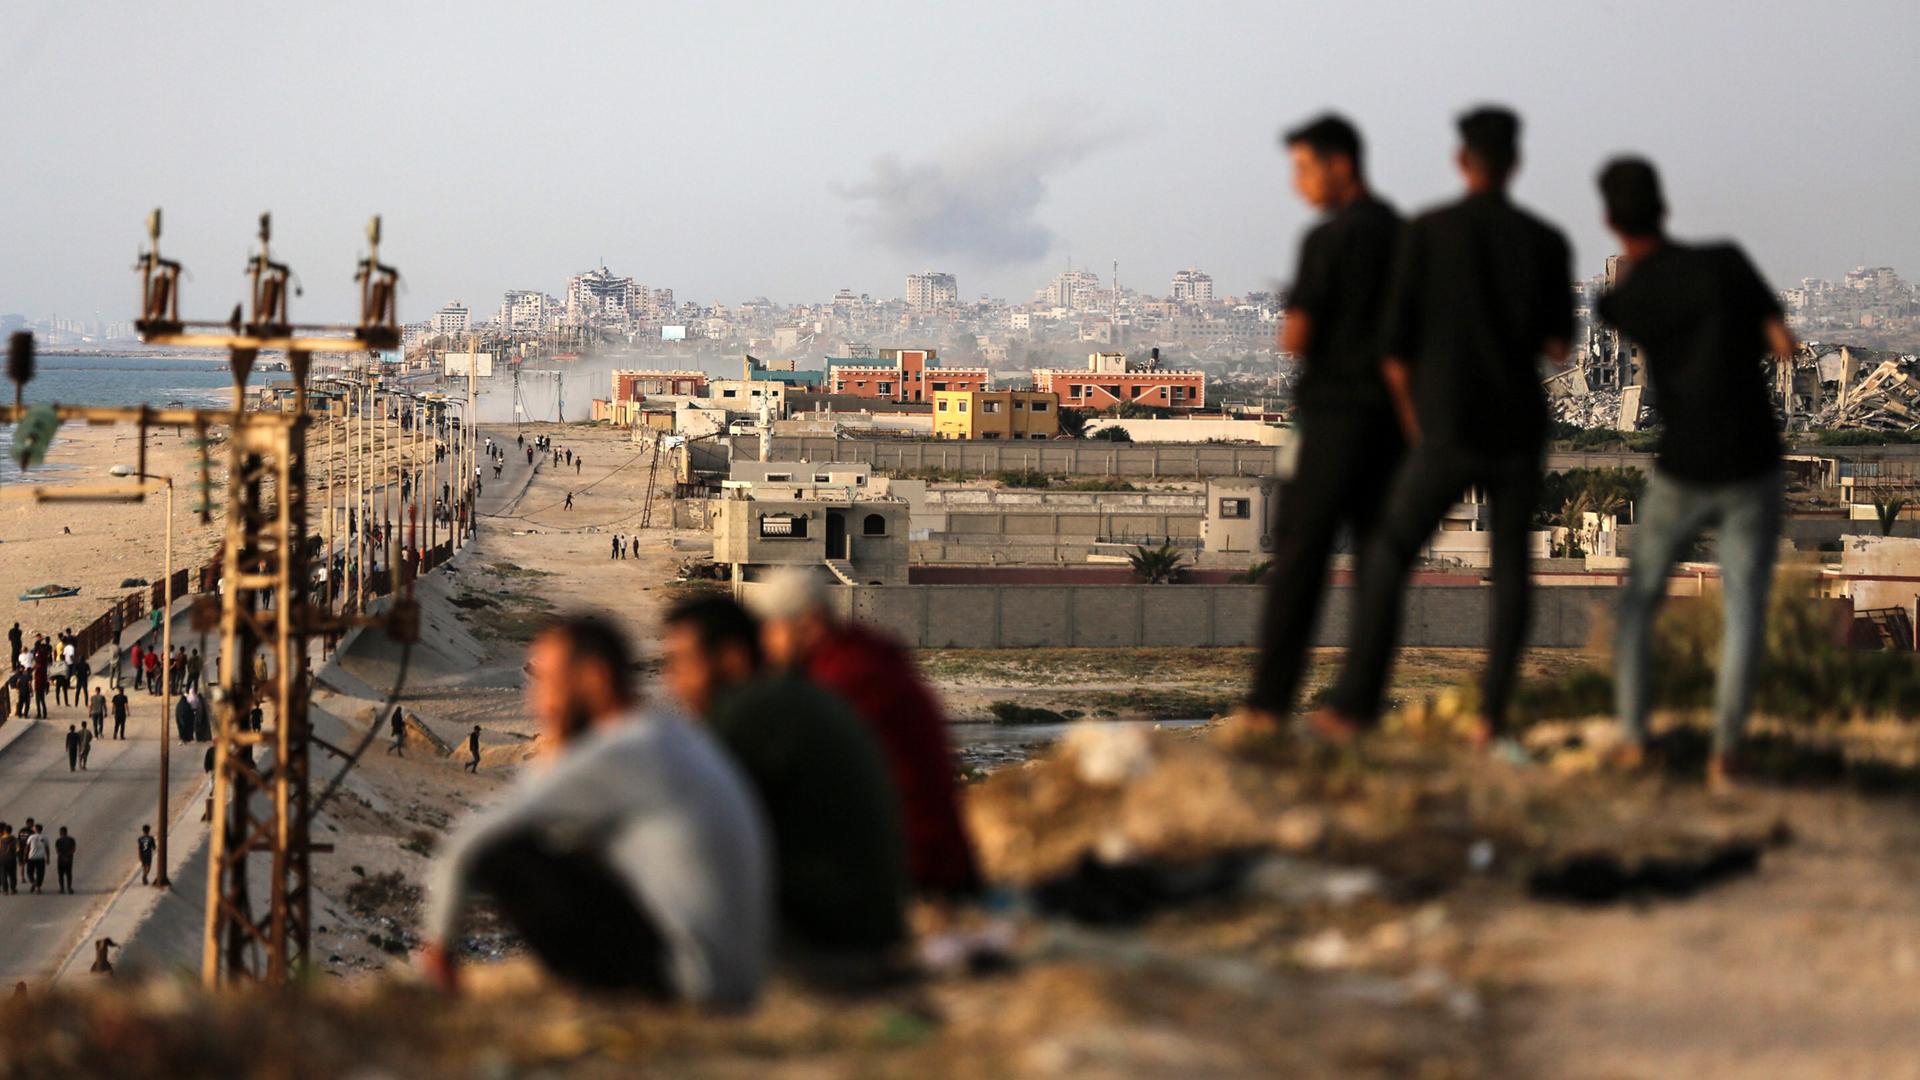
column 1705, row 319
column 1350, row 443
column 1481, row 290
column 63, row 850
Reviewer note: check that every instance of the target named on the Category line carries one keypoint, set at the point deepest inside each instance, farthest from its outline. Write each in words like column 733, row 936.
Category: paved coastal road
column 102, row 807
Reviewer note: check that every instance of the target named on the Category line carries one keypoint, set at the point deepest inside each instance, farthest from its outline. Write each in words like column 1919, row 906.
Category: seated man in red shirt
column 875, row 676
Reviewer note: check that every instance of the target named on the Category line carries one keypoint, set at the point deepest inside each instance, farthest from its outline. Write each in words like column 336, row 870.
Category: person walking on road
column 139, row 657
column 86, row 745
column 193, row 670
column 37, row 858
column 397, row 724
column 183, row 719
column 119, row 713
column 20, row 847
column 73, row 748
column 97, row 710
column 473, row 750
column 63, row 850
column 9, row 864
column 144, row 846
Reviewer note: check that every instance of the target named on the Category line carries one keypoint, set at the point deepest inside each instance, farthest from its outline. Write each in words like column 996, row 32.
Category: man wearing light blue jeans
column 1746, row 515
column 1704, row 319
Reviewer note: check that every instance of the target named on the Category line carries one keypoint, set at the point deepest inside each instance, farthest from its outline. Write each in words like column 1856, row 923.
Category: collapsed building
column 1825, row 386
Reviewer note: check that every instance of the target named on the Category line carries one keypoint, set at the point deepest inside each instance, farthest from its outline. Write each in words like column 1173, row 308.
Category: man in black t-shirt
column 1349, row 443
column 1481, row 290
column 63, row 850
column 1705, row 320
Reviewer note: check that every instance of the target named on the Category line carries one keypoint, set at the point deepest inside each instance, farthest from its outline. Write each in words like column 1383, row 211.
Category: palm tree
column 1159, row 566
column 1252, row 574
column 1888, row 511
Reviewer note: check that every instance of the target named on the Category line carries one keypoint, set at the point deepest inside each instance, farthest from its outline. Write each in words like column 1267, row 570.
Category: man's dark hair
column 1630, row 187
column 717, row 622
column 593, row 638
column 1492, row 135
column 1327, row 136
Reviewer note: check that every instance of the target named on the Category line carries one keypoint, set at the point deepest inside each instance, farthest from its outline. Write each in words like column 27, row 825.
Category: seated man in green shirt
column 839, row 852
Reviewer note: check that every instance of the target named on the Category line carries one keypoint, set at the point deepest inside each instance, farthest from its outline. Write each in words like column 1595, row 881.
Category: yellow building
column 995, row 414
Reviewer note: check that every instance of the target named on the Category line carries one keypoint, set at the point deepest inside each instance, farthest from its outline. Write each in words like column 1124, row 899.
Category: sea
column 131, row 379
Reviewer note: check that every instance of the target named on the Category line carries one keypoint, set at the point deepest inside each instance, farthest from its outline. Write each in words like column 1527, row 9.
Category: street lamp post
column 166, row 662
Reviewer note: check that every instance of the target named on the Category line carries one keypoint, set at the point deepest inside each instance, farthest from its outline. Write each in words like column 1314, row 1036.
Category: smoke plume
column 977, row 200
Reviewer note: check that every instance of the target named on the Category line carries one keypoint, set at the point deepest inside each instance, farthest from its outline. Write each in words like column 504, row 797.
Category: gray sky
column 729, row 150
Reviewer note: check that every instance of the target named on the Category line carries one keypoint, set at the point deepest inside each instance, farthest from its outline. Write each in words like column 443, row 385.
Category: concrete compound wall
column 1035, row 525
column 1061, row 457
column 1133, row 616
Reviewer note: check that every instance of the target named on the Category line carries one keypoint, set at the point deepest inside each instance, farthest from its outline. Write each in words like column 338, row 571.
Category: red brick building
column 900, row 375
column 639, row 385
column 1111, row 380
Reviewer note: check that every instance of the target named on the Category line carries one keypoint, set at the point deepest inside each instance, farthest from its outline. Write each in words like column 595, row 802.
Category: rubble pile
column 1593, row 409
column 1885, row 397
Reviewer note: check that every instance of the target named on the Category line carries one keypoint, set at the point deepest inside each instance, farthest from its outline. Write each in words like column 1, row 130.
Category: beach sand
column 109, row 542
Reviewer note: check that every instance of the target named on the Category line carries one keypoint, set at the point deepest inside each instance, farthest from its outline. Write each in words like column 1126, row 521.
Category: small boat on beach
column 50, row 592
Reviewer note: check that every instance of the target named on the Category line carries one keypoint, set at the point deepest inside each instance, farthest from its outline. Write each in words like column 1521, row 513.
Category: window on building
column 822, row 478
column 784, row 526
column 1036, row 435
column 989, row 434
column 885, row 388
column 989, row 406
column 1040, row 406
column 729, row 393
column 874, row 525
column 962, row 404
column 942, row 406
column 779, row 477
column 939, row 386
column 1238, row 509
column 1018, row 404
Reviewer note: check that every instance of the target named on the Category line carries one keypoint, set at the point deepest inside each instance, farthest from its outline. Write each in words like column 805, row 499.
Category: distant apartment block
column 900, row 375
column 635, row 385
column 1235, row 331
column 452, row 319
column 601, row 296
column 1073, row 290
column 929, row 290
column 1192, row 286
column 995, row 414
column 1111, row 380
column 529, row 311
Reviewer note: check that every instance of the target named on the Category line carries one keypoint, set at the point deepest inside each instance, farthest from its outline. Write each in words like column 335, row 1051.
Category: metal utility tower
column 264, row 610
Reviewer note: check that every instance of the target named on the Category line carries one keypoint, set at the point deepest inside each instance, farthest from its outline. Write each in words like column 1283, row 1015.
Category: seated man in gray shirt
column 635, row 861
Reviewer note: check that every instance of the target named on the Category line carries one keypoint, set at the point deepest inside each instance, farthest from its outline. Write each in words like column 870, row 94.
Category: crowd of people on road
column 780, row 807
column 24, row 856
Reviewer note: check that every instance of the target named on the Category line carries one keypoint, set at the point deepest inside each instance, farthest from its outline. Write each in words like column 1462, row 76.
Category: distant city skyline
column 788, row 153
